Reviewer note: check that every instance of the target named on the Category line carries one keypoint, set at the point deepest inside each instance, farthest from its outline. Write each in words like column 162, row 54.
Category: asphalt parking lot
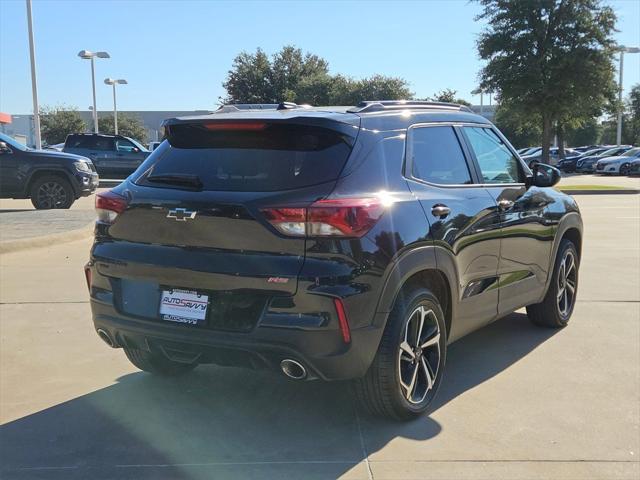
column 517, row 402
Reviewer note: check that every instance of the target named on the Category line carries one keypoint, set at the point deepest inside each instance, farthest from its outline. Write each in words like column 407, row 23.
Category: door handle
column 505, row 204
column 440, row 210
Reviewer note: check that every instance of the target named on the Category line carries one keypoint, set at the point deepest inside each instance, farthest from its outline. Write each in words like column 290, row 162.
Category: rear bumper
column 322, row 352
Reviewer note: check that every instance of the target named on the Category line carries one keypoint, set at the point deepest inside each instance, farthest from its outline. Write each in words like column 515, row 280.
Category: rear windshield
column 263, row 157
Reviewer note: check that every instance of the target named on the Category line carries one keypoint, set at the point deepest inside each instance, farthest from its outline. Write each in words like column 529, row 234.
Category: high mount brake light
column 109, row 205
column 343, row 217
column 240, row 126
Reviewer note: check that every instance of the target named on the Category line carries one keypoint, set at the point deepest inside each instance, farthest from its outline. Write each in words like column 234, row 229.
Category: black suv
column 333, row 243
column 50, row 179
column 114, row 156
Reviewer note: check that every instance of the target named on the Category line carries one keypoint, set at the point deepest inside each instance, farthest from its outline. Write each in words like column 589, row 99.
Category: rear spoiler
column 345, row 123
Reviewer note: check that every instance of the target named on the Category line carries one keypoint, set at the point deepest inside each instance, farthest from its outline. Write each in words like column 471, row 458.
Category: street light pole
column 623, row 50
column 88, row 55
column 113, row 82
column 93, row 87
column 34, row 81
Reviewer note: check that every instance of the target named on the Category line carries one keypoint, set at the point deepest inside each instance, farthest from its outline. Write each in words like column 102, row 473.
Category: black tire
column 551, row 312
column 380, row 391
column 157, row 363
column 625, row 169
column 51, row 191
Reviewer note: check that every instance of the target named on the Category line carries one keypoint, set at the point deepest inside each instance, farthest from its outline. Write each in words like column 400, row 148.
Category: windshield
column 13, row 143
column 137, row 144
column 609, row 153
column 271, row 158
column 631, row 153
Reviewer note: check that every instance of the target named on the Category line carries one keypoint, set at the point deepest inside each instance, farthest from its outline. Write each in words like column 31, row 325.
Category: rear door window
column 258, row 157
column 437, row 157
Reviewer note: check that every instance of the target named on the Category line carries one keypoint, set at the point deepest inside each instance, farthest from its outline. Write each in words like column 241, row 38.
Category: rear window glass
column 269, row 157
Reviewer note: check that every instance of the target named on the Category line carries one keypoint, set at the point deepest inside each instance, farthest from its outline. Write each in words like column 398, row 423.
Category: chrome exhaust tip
column 292, row 369
column 106, row 338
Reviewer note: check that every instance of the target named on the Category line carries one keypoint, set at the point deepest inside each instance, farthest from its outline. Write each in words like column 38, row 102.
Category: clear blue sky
column 175, row 54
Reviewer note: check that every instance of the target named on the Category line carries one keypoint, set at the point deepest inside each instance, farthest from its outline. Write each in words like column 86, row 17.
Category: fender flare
column 428, row 257
column 567, row 222
column 51, row 171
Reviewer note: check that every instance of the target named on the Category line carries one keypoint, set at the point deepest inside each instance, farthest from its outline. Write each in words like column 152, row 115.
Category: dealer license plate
column 184, row 306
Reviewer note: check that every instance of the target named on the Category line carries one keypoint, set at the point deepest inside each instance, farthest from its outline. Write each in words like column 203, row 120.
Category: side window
column 497, row 163
column 437, row 156
column 125, row 146
column 102, row 143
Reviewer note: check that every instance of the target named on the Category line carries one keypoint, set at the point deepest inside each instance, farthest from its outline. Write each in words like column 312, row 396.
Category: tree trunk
column 546, row 138
column 560, row 134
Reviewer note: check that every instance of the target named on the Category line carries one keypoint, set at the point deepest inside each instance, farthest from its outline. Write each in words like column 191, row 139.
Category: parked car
column 50, row 179
column 588, row 164
column 530, row 151
column 57, row 147
column 554, row 156
column 634, row 168
column 113, row 155
column 568, row 164
column 330, row 243
column 585, row 148
column 153, row 145
column 620, row 164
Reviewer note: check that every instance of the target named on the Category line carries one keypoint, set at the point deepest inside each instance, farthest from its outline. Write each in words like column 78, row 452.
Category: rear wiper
column 179, row 179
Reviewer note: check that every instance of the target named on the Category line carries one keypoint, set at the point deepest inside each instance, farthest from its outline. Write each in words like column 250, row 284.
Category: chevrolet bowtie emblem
column 181, row 214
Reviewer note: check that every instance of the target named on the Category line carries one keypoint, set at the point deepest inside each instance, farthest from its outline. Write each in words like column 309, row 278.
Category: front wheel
column 407, row 369
column 51, row 192
column 557, row 306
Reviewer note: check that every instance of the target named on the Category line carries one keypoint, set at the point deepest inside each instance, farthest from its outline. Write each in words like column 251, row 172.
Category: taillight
column 342, row 217
column 109, row 205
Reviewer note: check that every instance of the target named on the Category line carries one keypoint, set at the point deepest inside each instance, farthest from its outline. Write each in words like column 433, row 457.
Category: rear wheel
column 407, row 370
column 556, row 308
column 50, row 192
column 157, row 363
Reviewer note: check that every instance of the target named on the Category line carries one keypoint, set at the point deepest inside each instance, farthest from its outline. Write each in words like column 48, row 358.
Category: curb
column 625, row 191
column 46, row 240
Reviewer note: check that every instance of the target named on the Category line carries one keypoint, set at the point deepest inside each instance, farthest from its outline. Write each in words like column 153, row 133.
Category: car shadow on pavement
column 231, row 423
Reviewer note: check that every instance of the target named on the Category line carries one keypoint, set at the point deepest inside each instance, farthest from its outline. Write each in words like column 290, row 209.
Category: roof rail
column 382, row 105
column 238, row 107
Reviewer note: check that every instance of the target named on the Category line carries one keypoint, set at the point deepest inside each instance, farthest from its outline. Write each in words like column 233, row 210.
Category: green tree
column 588, row 133
column 521, row 128
column 58, row 122
column 128, row 126
column 448, row 95
column 552, row 58
column 294, row 76
column 633, row 106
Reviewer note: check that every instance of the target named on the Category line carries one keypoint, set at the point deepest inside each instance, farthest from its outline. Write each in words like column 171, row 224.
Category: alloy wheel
column 51, row 195
column 625, row 169
column 419, row 355
column 567, row 281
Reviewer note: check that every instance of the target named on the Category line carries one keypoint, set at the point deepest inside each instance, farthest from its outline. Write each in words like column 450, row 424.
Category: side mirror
column 4, row 148
column 136, row 149
column 543, row 175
